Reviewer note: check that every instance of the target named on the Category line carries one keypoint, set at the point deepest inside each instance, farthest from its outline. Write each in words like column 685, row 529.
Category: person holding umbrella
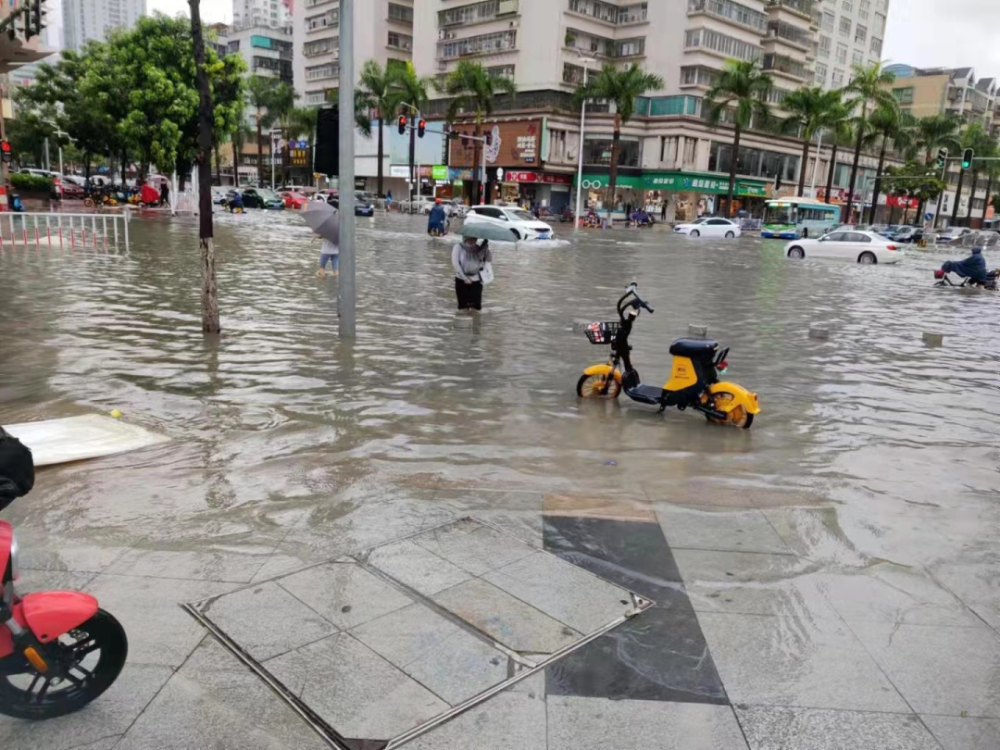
column 472, row 263
column 323, row 219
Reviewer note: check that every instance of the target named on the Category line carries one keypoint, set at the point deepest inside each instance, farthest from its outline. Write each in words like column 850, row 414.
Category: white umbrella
column 323, row 219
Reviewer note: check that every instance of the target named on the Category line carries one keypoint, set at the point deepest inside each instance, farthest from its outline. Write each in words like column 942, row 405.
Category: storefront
column 513, row 148
column 530, row 188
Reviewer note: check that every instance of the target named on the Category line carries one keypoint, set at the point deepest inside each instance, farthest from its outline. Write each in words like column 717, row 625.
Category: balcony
column 484, row 44
column 805, row 8
column 791, row 34
column 314, row 3
column 730, row 11
column 788, row 66
column 323, row 72
column 467, row 15
column 609, row 13
column 599, row 46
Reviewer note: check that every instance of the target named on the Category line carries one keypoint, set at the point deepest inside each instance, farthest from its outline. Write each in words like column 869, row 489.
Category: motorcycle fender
column 51, row 614
column 602, row 370
column 741, row 397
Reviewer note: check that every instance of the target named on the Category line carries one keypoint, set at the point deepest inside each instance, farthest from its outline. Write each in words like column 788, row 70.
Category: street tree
column 840, row 135
column 740, row 94
column 258, row 96
column 936, row 132
column 976, row 137
column 473, row 90
column 914, row 179
column 869, row 89
column 282, row 102
column 810, row 111
column 378, row 97
column 889, row 124
column 413, row 96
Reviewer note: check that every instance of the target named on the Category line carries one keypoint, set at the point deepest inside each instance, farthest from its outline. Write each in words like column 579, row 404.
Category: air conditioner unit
column 571, row 153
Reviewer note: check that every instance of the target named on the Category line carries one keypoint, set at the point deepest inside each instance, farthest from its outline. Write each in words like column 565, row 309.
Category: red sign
column 539, row 177
column 895, row 201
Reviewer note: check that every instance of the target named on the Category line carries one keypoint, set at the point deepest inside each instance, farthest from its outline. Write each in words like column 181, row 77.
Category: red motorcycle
column 58, row 649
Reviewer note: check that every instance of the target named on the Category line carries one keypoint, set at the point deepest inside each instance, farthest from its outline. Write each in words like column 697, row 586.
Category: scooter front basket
column 603, row 333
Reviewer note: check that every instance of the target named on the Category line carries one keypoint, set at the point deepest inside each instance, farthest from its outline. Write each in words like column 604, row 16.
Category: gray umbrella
column 323, row 219
column 484, row 231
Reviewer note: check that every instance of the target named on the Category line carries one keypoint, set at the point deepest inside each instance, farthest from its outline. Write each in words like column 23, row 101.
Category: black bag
column 17, row 469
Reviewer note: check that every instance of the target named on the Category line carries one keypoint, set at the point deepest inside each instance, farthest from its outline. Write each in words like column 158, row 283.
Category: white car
column 522, row 224
column 866, row 248
column 709, row 227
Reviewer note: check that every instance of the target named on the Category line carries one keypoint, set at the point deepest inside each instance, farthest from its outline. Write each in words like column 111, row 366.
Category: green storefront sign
column 679, row 182
column 439, row 173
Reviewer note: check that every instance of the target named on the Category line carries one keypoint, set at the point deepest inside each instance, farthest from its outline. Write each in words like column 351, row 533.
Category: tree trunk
column 381, row 154
column 476, row 145
column 854, row 167
column 972, row 196
column 260, row 152
column 209, row 289
column 218, row 164
column 986, row 203
column 613, row 167
column 415, row 185
column 958, row 196
column 732, row 171
column 878, row 181
column 805, row 160
column 829, row 176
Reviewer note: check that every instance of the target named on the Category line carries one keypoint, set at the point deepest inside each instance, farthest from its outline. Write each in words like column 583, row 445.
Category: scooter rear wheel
column 591, row 386
column 738, row 417
column 92, row 655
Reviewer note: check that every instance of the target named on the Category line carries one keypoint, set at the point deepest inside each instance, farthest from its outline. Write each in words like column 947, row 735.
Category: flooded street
column 867, row 483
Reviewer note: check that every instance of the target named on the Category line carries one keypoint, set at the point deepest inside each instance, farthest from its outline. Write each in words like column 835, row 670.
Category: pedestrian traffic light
column 402, row 124
column 967, row 158
column 326, row 155
column 5, row 151
column 942, row 157
column 421, row 127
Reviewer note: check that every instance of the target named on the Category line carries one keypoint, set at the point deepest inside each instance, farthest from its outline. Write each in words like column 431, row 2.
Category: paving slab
column 265, row 620
column 344, row 593
column 778, row 728
column 509, row 721
column 593, row 724
column 734, row 530
column 354, row 689
column 109, row 715
column 956, row 733
column 404, row 636
column 510, row 621
column 976, row 583
column 215, row 702
column 939, row 670
column 234, row 564
column 417, row 567
column 790, row 661
column 563, row 591
column 473, row 547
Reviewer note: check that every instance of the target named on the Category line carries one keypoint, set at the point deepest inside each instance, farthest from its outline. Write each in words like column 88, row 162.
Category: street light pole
column 579, row 170
column 346, row 291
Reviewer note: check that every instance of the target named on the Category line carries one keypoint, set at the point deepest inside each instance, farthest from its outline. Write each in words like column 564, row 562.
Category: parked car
column 219, row 194
column 262, row 198
column 301, row 189
column 867, row 248
column 908, row 234
column 522, row 224
column 293, row 200
column 951, row 234
column 419, row 205
column 709, row 226
column 362, row 206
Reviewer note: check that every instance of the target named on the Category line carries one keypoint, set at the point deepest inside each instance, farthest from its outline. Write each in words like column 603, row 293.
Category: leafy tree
column 936, row 132
column 868, row 90
column 914, row 179
column 840, row 135
column 744, row 87
column 27, row 132
column 258, row 96
column 889, row 124
column 412, row 90
column 378, row 95
column 473, row 90
column 976, row 137
column 280, row 105
column 810, row 111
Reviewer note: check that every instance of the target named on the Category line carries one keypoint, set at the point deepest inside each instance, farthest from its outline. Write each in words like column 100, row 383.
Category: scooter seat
column 697, row 348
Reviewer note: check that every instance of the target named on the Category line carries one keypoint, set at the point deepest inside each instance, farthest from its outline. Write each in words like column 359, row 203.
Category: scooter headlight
column 13, row 554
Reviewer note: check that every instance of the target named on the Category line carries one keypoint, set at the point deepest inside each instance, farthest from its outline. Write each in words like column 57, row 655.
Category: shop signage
column 678, row 181
column 837, row 195
column 457, row 175
column 440, row 173
column 299, row 157
column 895, row 201
column 403, row 172
column 540, row 178
column 513, row 144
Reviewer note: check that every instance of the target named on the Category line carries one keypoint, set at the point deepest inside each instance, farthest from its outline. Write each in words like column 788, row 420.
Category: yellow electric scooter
column 694, row 380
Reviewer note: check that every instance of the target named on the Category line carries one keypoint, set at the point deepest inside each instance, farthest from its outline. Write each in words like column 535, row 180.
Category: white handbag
column 486, row 274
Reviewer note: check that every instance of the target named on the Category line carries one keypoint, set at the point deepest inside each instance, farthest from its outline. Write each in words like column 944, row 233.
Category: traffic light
column 6, row 151
column 967, row 159
column 421, row 127
column 942, row 157
column 326, row 156
column 402, row 124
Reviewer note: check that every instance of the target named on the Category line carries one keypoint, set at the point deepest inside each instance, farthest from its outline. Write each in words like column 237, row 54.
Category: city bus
column 792, row 218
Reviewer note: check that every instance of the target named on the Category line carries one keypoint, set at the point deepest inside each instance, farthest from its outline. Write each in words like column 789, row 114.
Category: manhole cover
column 377, row 648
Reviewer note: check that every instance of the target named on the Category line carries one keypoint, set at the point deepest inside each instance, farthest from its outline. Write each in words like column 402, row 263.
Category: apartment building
column 851, row 32
column 270, row 13
column 84, row 20
column 383, row 31
column 268, row 51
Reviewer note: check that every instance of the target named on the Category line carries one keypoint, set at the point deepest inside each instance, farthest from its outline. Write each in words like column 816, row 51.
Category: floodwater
column 279, row 426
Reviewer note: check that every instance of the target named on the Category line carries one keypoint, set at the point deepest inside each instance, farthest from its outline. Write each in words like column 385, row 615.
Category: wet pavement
column 827, row 579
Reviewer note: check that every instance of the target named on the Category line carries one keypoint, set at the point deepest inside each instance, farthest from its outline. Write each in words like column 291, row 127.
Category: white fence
column 68, row 230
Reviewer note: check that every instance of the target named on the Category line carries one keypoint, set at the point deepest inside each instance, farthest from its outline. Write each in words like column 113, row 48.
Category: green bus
column 792, row 218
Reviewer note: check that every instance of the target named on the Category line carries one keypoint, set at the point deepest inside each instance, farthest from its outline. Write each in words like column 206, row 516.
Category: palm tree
column 258, row 93
column 744, row 86
column 473, row 89
column 377, row 94
column 869, row 89
column 412, row 96
column 301, row 124
column 888, row 123
column 841, row 134
column 621, row 88
column 280, row 106
column 979, row 140
column 810, row 110
column 938, row 131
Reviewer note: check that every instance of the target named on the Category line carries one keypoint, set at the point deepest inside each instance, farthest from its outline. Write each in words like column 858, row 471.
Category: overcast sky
column 945, row 33
column 212, row 11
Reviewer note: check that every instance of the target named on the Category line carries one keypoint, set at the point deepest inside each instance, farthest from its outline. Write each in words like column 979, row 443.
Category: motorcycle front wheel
column 738, row 417
column 592, row 386
column 91, row 657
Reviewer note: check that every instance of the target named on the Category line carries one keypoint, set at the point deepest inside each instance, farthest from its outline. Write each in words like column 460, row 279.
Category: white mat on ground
column 58, row 441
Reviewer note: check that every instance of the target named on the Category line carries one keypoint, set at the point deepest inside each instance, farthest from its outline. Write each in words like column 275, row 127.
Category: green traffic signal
column 967, row 159
column 942, row 157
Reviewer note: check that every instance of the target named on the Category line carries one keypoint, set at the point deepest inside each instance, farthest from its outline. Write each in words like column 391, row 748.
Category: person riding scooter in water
column 972, row 268
column 436, row 224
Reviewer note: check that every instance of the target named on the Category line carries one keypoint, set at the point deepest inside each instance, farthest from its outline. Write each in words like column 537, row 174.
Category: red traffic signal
column 421, row 127
column 402, row 124
column 5, row 151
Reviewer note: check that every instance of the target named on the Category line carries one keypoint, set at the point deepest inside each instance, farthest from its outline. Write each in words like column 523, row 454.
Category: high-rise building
column 267, row 51
column 84, row 20
column 272, row 13
column 383, row 31
column 851, row 32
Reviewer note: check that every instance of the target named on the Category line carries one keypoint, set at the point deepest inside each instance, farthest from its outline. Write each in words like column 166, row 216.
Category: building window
column 501, row 71
column 321, row 46
column 401, row 13
column 323, row 20
column 697, row 76
column 848, row 6
column 864, row 8
column 903, row 95
column 857, row 58
column 838, row 78
column 860, row 34
column 400, row 41
column 469, row 13
column 842, row 54
column 821, row 71
column 740, row 14
column 630, row 47
column 825, row 45
column 609, row 12
column 879, row 29
column 499, row 41
column 829, row 19
column 726, row 45
column 845, row 26
column 319, row 72
column 754, row 162
column 876, row 47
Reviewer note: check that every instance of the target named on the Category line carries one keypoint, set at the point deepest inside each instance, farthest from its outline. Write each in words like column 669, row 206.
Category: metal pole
column 944, row 176
column 60, row 161
column 819, row 147
column 482, row 198
column 272, row 158
column 347, row 293
column 48, row 165
column 579, row 170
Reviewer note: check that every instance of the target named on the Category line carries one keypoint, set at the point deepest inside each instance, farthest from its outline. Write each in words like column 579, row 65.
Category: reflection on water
column 279, row 423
